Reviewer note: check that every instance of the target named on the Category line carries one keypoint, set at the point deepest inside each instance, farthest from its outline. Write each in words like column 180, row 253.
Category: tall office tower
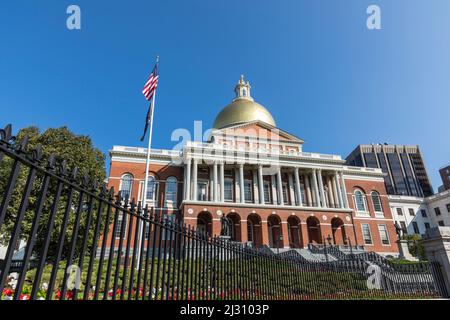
column 404, row 167
column 445, row 176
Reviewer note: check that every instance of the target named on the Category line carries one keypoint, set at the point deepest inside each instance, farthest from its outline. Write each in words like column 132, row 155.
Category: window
column 366, row 233
column 202, row 190
column 399, row 211
column 424, row 213
column 248, row 187
column 376, row 202
column 169, row 219
column 285, row 193
column 384, row 236
column 441, row 223
column 427, row 225
column 171, row 190
column 250, row 231
column 267, row 194
column 448, row 207
column 126, row 185
column 151, row 189
column 360, row 202
column 403, row 225
column 411, row 212
column 147, row 231
column 437, row 211
column 118, row 228
column 415, row 227
column 228, row 189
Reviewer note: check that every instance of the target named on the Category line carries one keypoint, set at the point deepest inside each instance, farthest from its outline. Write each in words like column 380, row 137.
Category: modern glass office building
column 404, row 167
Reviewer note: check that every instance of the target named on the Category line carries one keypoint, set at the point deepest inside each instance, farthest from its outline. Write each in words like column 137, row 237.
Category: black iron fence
column 78, row 240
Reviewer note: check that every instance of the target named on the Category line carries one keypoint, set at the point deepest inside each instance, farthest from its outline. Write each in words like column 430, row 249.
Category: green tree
column 415, row 246
column 78, row 151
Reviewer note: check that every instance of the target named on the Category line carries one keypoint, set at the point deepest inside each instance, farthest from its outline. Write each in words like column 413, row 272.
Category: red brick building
column 259, row 178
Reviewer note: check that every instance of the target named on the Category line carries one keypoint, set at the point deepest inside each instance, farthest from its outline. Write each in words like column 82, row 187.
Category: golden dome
column 242, row 109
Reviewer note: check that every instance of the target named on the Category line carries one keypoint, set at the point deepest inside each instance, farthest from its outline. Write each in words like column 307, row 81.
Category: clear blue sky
column 323, row 75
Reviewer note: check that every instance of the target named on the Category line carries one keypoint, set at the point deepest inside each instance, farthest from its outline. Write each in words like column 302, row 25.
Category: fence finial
column 6, row 134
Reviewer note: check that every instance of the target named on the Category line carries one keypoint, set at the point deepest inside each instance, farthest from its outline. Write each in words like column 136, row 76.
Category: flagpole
column 147, row 167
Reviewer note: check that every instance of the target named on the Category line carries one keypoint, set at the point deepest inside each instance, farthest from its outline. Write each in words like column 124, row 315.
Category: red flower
column 24, row 297
column 7, row 292
column 69, row 295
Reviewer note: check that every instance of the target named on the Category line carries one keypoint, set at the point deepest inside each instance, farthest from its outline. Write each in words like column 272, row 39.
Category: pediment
column 258, row 130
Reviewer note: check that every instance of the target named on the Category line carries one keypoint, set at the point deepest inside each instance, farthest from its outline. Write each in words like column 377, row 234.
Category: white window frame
column 231, row 183
column 248, row 182
column 377, row 212
column 370, row 234
column 171, row 202
column 267, row 184
column 131, row 184
column 206, row 184
column 364, row 212
column 387, row 234
column 152, row 201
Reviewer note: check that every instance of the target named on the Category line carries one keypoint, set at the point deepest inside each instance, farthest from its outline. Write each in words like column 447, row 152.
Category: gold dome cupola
column 242, row 109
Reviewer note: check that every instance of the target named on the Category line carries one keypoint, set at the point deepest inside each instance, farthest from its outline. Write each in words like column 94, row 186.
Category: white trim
column 265, row 206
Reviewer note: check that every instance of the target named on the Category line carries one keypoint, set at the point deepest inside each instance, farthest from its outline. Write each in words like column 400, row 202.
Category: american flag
column 151, row 84
column 148, row 92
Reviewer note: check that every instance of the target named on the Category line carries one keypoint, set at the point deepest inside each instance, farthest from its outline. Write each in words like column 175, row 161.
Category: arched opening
column 338, row 229
column 314, row 233
column 274, row 225
column 204, row 222
column 254, row 234
column 236, row 226
column 295, row 232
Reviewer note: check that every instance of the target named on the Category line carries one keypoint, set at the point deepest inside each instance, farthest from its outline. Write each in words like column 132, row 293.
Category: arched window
column 171, row 190
column 250, row 229
column 151, row 189
column 126, row 184
column 360, row 201
column 376, row 201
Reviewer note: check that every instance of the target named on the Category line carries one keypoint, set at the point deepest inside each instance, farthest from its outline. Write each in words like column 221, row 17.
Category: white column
column 194, row 186
column 215, row 198
column 339, row 190
column 211, row 184
column 344, row 190
column 280, row 187
column 309, row 196
column 222, row 182
column 261, row 184
column 321, row 190
column 187, row 182
column 331, row 199
column 273, row 183
column 241, row 182
column 255, row 186
column 337, row 199
column 291, row 189
column 315, row 187
column 237, row 192
column 298, row 190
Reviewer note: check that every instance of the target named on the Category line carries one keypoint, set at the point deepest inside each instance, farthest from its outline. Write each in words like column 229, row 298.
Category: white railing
column 205, row 145
column 144, row 150
column 363, row 169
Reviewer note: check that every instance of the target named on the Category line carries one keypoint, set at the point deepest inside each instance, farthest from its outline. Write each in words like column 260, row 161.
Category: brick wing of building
column 255, row 178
